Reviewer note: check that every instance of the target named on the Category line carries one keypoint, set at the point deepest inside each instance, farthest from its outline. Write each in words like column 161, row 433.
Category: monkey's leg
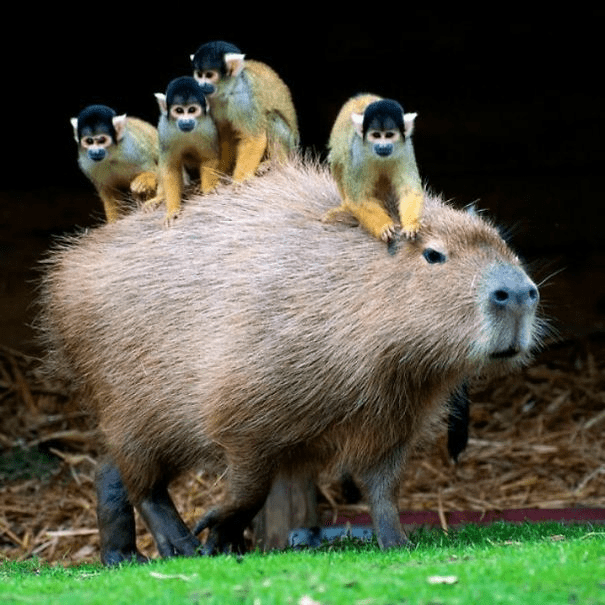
column 250, row 151
column 248, row 490
column 115, row 517
column 410, row 210
column 381, row 483
column 171, row 535
column 372, row 215
column 110, row 205
column 335, row 213
column 227, row 158
column 209, row 175
column 171, row 178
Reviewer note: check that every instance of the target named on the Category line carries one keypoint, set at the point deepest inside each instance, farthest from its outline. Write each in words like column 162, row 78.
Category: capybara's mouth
column 506, row 353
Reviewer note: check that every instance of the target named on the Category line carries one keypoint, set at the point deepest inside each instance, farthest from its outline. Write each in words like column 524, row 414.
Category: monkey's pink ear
column 160, row 97
column 357, row 119
column 234, row 63
column 408, row 121
column 119, row 123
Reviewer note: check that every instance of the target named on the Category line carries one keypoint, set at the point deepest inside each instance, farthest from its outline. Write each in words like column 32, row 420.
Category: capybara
column 255, row 337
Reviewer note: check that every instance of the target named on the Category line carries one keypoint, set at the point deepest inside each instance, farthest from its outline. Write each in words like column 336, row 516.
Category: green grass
column 501, row 563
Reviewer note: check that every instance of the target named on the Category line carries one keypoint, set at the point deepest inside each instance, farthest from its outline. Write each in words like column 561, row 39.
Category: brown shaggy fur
column 252, row 333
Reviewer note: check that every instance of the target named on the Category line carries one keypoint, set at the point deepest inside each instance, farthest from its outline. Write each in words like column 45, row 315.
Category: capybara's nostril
column 500, row 297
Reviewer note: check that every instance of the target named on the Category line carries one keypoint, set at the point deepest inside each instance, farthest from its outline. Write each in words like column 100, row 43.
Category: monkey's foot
column 341, row 215
column 152, row 204
column 144, row 184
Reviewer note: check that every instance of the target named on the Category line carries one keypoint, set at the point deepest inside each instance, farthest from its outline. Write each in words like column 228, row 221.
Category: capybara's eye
column 433, row 256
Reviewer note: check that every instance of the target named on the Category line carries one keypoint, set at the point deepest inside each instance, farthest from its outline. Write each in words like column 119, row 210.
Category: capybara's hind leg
column 248, row 490
column 171, row 535
column 115, row 517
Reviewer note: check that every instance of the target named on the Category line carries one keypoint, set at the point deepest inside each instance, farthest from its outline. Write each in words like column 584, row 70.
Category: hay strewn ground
column 536, row 441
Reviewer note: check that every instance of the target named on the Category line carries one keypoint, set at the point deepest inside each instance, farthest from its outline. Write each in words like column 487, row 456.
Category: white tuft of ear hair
column 160, row 97
column 408, row 123
column 357, row 119
column 74, row 125
column 234, row 63
column 119, row 123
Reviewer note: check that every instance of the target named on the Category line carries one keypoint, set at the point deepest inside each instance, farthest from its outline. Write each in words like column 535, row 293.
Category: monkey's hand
column 410, row 230
column 389, row 232
column 144, row 184
column 170, row 219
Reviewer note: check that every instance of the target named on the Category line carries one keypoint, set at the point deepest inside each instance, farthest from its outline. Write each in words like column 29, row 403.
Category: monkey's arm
column 171, row 177
column 411, row 202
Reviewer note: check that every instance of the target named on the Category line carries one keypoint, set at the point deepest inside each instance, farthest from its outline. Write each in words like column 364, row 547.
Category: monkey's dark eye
column 89, row 140
column 192, row 109
column 433, row 256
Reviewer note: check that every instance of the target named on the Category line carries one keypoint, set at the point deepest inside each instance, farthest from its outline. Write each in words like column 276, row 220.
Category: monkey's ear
column 357, row 119
column 74, row 125
column 234, row 63
column 408, row 121
column 119, row 123
column 160, row 97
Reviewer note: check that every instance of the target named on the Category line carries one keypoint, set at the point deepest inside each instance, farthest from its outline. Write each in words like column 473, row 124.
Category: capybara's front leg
column 171, row 535
column 381, row 483
column 115, row 517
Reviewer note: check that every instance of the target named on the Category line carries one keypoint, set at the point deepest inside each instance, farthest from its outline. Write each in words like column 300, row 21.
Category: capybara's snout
column 512, row 291
column 510, row 303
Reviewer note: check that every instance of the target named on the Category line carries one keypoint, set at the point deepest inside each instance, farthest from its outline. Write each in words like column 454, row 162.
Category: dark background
column 510, row 115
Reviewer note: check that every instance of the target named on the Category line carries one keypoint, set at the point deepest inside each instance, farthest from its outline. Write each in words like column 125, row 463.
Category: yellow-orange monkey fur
column 251, row 106
column 368, row 172
column 118, row 154
column 188, row 143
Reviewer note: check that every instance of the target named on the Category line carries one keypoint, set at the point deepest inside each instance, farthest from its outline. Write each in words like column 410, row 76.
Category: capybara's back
column 253, row 334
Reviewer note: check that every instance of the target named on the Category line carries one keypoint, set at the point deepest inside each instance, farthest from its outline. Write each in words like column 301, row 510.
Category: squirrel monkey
column 188, row 142
column 251, row 106
column 117, row 154
column 371, row 158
